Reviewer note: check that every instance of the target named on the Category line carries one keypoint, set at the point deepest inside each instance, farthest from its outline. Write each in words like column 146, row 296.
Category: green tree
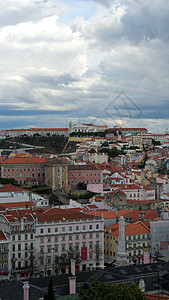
column 109, row 291
column 65, row 259
column 98, row 253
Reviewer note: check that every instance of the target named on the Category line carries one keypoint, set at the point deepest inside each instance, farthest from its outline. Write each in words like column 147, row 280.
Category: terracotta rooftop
column 25, row 160
column 7, row 188
column 2, row 236
column 130, row 229
column 109, row 214
column 56, row 214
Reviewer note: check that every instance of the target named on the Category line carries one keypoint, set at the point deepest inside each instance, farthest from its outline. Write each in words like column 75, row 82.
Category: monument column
column 121, row 258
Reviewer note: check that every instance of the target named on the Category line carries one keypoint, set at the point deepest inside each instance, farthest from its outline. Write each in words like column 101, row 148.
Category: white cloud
column 78, row 66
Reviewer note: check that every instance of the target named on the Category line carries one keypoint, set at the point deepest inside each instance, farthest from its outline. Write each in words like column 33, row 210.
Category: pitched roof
column 130, row 229
column 2, row 236
column 56, row 214
column 112, row 214
column 25, row 160
column 13, row 289
column 6, row 188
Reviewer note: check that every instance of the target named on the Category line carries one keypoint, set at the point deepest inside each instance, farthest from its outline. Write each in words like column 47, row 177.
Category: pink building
column 58, row 231
column 23, row 168
column 84, row 173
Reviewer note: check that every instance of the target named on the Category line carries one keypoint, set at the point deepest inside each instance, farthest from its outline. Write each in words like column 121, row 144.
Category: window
column 84, row 227
column 70, row 246
column 70, row 228
column 41, row 231
column 56, row 229
column 41, row 249
column 77, row 227
column 26, row 236
column 13, row 247
column 90, row 227
column 97, row 226
column 26, row 246
column 5, row 256
column 70, row 237
column 63, row 247
column 77, row 236
column 19, row 247
column 84, row 244
column 90, row 255
column 63, row 229
column 19, row 254
column 49, row 239
column 13, row 238
column 56, row 238
column 31, row 236
column 84, row 236
column 26, row 254
column 49, row 230
column 41, row 240
column 90, row 245
column 49, row 260
column 90, row 235
column 56, row 248
column 49, row 249
column 63, row 238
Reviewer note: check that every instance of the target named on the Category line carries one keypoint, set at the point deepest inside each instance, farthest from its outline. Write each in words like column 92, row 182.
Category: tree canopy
column 109, row 291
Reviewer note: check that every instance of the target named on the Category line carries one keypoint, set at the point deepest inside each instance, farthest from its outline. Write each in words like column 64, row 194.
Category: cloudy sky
column 102, row 61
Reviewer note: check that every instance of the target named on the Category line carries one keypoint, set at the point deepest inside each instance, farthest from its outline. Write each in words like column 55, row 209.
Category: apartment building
column 59, row 230
column 84, row 173
column 4, row 253
column 32, row 131
column 23, row 168
column 97, row 158
column 137, row 240
column 136, row 191
column 19, row 225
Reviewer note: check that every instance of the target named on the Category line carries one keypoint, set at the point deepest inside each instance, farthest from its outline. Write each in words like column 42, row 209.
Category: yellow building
column 137, row 239
column 56, row 173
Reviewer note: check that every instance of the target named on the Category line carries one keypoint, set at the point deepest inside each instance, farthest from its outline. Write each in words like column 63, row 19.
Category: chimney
column 26, row 290
column 72, row 285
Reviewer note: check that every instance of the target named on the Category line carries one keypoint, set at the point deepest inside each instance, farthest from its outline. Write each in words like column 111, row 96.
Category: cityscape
column 100, row 203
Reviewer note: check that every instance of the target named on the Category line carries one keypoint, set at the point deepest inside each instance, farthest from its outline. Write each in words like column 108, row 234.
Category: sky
column 100, row 61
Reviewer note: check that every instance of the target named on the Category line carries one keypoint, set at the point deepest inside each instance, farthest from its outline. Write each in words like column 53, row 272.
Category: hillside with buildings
column 109, row 205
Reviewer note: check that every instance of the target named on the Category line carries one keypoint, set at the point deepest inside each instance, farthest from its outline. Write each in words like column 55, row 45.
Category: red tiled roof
column 56, row 214
column 23, row 204
column 134, row 215
column 4, row 188
column 19, row 214
column 109, row 214
column 39, row 129
column 25, row 160
column 130, row 229
column 2, row 236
